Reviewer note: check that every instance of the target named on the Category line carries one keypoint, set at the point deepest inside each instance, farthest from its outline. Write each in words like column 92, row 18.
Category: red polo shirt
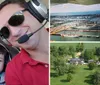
column 22, row 70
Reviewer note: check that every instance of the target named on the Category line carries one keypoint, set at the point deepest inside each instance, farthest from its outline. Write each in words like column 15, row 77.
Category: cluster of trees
column 63, row 51
column 91, row 54
column 59, row 58
column 62, row 68
column 86, row 54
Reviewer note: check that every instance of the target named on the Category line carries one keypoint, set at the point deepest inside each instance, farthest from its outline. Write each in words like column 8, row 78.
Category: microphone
column 26, row 37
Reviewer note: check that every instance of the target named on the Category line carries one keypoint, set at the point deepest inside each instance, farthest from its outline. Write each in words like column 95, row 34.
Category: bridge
column 68, row 28
column 58, row 29
column 77, row 35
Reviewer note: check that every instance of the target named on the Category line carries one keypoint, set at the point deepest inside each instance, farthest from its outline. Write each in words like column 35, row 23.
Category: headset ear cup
column 35, row 12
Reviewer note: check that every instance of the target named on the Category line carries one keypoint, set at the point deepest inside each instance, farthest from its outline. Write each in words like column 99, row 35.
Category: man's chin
column 27, row 45
column 30, row 48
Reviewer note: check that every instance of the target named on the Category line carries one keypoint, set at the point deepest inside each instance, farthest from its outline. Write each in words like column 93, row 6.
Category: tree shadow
column 89, row 76
column 86, row 69
column 64, row 80
column 53, row 75
column 89, row 81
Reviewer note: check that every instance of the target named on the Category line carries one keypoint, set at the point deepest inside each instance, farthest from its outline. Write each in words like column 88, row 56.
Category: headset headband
column 37, row 9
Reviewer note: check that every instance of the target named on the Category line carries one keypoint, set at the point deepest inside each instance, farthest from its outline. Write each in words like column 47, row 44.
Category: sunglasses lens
column 5, row 32
column 16, row 19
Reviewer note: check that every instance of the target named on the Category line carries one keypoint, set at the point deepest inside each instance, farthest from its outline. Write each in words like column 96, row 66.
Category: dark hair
column 6, row 56
column 23, row 4
column 6, row 2
column 2, row 50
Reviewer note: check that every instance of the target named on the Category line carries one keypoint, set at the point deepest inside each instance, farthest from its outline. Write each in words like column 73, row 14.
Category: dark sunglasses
column 15, row 20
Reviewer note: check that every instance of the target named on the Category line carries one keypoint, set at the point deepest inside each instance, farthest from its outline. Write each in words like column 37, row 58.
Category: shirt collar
column 27, row 59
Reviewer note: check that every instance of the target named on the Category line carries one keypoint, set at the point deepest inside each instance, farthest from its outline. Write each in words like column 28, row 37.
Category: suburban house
column 76, row 61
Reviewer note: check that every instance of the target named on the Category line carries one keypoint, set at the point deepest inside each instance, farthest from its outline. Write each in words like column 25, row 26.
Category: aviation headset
column 39, row 11
column 36, row 8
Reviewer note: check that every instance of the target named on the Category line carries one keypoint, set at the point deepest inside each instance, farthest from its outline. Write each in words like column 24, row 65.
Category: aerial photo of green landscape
column 75, row 64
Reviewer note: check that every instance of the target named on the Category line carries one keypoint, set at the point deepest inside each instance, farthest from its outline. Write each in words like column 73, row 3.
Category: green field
column 86, row 45
column 81, row 77
column 85, row 2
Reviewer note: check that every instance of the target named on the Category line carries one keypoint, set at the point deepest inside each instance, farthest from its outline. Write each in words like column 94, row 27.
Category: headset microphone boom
column 40, row 12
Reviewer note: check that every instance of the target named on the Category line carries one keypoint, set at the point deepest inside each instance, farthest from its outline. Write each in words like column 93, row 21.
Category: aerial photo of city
column 75, row 22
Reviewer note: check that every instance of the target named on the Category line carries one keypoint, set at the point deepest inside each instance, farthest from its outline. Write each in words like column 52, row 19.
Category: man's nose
column 15, row 31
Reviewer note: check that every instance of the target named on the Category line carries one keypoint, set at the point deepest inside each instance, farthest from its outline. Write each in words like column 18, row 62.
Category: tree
column 51, row 59
column 82, row 55
column 62, row 51
column 88, row 55
column 80, row 47
column 54, row 51
column 99, row 59
column 71, row 50
column 72, row 68
column 98, row 51
column 73, row 55
column 60, row 65
column 91, row 65
column 69, row 77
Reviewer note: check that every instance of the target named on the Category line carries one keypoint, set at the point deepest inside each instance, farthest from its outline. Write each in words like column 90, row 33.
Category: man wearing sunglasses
column 30, row 66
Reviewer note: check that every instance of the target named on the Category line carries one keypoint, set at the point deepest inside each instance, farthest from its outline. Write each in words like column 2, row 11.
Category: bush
column 69, row 77
column 72, row 68
column 91, row 65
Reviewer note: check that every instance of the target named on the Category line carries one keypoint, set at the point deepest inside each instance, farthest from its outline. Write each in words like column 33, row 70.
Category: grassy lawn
column 79, row 78
column 86, row 45
column 86, row 2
